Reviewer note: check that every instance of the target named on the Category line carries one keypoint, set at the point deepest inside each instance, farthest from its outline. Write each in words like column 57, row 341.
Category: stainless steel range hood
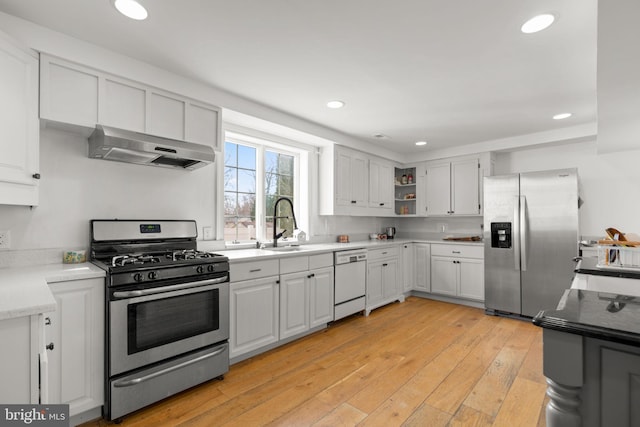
column 132, row 147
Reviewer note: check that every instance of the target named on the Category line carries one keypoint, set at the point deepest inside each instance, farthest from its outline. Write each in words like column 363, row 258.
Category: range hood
column 132, row 147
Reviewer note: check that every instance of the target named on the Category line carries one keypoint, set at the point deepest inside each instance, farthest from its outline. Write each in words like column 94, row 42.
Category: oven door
column 150, row 325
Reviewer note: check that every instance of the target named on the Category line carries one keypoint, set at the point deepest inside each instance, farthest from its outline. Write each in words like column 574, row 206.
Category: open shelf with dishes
column 405, row 191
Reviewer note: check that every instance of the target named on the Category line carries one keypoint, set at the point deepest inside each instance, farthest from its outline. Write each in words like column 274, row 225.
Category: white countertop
column 241, row 255
column 25, row 290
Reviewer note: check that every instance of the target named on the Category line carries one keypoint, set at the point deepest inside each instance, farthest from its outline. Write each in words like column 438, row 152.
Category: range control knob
column 211, row 268
column 152, row 275
column 138, row 277
column 199, row 269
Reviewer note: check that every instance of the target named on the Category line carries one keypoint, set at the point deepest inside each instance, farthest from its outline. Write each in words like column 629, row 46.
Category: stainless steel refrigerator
column 530, row 240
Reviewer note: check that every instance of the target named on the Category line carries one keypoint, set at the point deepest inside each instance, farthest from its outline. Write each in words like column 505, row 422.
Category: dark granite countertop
column 590, row 266
column 601, row 315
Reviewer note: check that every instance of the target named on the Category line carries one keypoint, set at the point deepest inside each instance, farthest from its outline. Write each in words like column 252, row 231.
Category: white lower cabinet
column 458, row 271
column 321, row 293
column 306, row 301
column 408, row 266
column 384, row 282
column 265, row 310
column 74, row 335
column 254, row 307
column 422, row 270
column 20, row 355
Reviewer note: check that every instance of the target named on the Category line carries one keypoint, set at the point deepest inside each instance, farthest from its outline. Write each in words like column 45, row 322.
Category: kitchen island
column 592, row 351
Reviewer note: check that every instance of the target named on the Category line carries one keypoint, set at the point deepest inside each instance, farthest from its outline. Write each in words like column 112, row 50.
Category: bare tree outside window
column 279, row 183
column 239, row 192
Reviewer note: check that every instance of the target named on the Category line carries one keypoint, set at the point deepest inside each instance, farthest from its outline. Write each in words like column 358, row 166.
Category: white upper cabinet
column 452, row 188
column 19, row 127
column 83, row 97
column 353, row 183
column 380, row 184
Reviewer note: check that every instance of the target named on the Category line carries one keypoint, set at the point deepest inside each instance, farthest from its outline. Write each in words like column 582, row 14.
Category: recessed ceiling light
column 561, row 116
column 421, row 143
column 537, row 23
column 131, row 9
column 335, row 104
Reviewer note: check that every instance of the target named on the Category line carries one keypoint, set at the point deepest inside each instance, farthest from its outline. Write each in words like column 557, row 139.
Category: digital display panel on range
column 149, row 228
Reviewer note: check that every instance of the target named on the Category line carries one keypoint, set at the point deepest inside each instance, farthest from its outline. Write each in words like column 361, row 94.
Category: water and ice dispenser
column 501, row 235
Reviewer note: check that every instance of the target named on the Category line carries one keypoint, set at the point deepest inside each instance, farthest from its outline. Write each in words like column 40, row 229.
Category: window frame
column 263, row 143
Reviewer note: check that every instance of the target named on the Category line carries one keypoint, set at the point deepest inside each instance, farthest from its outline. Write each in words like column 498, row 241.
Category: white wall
column 610, row 183
column 75, row 189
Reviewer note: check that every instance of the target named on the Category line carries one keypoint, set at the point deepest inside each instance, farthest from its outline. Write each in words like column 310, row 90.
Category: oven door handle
column 135, row 381
column 151, row 291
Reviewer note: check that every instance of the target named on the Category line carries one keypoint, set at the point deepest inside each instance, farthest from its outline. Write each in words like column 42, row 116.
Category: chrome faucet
column 276, row 236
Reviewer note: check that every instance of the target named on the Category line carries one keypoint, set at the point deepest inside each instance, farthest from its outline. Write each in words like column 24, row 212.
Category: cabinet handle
column 49, row 346
column 255, row 270
column 35, row 176
column 277, row 282
column 354, row 202
column 384, row 265
column 47, row 320
column 381, row 204
column 384, row 253
column 311, row 275
column 455, row 252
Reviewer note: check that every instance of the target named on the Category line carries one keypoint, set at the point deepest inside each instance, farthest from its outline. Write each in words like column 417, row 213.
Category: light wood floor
column 417, row 363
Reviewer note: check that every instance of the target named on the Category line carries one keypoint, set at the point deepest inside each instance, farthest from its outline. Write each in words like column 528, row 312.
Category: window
column 239, row 192
column 255, row 176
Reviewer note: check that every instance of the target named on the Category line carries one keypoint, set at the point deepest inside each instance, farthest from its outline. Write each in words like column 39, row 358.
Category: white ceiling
column 452, row 72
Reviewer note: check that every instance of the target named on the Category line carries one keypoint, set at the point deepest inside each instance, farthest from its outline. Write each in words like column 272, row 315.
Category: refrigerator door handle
column 523, row 232
column 516, row 233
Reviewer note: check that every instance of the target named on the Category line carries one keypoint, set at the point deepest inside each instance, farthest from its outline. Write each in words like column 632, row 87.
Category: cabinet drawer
column 294, row 264
column 389, row 252
column 320, row 261
column 459, row 251
column 253, row 270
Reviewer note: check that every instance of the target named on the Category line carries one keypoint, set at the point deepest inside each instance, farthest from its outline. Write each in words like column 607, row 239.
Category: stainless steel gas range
column 167, row 311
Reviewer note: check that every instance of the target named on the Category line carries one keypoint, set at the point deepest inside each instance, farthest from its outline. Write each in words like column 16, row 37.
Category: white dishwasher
column 350, row 282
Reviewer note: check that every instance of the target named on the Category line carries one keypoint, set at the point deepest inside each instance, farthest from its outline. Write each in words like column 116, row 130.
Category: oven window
column 162, row 321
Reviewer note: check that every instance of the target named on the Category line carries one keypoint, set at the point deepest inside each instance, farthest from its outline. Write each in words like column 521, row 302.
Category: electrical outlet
column 5, row 239
column 207, row 233
column 442, row 227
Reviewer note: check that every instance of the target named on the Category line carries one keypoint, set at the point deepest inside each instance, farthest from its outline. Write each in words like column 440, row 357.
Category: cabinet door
column 76, row 330
column 374, row 282
column 390, row 282
column 465, row 188
column 408, row 266
column 321, row 296
column 471, row 279
column 444, row 275
column 422, row 267
column 359, row 180
column 165, row 115
column 203, row 124
column 123, row 104
column 294, row 304
column 254, row 314
column 19, row 127
column 343, row 178
column 68, row 92
column 438, row 189
column 17, row 360
column 620, row 379
column 380, row 185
